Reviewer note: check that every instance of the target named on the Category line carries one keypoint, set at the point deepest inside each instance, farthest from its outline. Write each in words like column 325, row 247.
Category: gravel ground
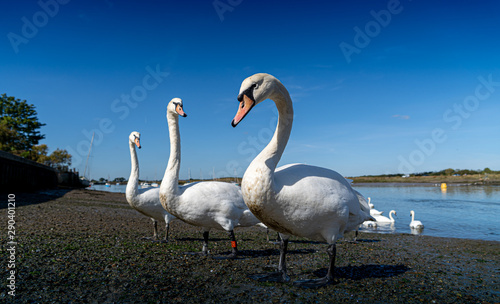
column 85, row 246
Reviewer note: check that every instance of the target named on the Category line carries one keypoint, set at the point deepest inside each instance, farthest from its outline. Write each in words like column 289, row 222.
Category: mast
column 87, row 161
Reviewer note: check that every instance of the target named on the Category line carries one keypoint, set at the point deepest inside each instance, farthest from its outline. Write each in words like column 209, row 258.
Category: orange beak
column 137, row 143
column 180, row 111
column 245, row 106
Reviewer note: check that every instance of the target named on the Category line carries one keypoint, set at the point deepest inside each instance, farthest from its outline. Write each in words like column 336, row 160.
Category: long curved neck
column 271, row 154
column 133, row 180
column 412, row 216
column 170, row 182
column 390, row 215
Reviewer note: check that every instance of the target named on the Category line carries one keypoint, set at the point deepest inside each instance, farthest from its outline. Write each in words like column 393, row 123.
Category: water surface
column 459, row 211
column 471, row 212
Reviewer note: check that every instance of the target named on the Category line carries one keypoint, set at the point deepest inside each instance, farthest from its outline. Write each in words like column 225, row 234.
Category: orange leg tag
column 233, row 244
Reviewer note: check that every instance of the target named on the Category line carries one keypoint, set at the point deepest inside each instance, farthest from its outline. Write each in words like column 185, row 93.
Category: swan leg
column 167, row 228
column 205, row 242
column 328, row 279
column 155, row 232
column 280, row 275
column 234, row 245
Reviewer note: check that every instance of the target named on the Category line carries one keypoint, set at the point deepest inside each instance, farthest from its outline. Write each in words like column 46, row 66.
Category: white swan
column 302, row 200
column 373, row 211
column 369, row 224
column 209, row 205
column 385, row 219
column 147, row 201
column 415, row 224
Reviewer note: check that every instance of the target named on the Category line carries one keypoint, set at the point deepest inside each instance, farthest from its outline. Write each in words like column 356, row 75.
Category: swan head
column 175, row 107
column 253, row 91
column 135, row 138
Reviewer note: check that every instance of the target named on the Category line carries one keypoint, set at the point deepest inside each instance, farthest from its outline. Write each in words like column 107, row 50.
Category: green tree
column 60, row 159
column 449, row 171
column 7, row 137
column 19, row 126
column 39, row 154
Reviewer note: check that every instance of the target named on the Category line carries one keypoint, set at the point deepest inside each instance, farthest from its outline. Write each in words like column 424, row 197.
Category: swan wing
column 216, row 205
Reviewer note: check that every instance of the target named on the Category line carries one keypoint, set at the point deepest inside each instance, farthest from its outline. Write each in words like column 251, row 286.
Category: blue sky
column 378, row 86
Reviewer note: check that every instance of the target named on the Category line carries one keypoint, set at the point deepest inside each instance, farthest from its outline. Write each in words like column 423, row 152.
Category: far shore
column 476, row 179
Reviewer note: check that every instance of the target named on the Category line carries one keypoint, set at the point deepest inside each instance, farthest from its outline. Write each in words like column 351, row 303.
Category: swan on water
column 385, row 219
column 415, row 224
column 373, row 211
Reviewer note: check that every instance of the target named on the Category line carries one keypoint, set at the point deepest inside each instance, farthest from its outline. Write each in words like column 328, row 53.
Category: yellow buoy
column 444, row 186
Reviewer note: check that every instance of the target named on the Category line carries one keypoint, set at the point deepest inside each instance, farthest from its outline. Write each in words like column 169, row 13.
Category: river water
column 471, row 212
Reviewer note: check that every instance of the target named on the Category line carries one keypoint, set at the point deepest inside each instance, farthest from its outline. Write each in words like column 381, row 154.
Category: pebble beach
column 81, row 246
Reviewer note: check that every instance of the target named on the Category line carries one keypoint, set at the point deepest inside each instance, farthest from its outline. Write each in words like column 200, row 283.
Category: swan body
column 415, row 224
column 297, row 199
column 145, row 201
column 209, row 205
column 384, row 219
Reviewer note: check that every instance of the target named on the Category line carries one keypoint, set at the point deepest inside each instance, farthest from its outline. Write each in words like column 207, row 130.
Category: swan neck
column 170, row 182
column 272, row 153
column 133, row 180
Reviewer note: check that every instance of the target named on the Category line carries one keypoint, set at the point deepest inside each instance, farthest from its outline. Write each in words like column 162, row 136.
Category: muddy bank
column 85, row 246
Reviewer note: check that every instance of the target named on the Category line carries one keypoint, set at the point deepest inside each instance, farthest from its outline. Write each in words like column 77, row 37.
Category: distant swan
column 209, row 205
column 145, row 201
column 298, row 199
column 373, row 211
column 370, row 224
column 415, row 224
column 384, row 219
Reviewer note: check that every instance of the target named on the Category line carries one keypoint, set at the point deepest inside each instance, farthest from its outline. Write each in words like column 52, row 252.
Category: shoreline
column 83, row 246
column 493, row 180
column 419, row 184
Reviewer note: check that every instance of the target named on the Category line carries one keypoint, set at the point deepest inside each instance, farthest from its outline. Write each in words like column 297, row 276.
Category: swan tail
column 365, row 207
